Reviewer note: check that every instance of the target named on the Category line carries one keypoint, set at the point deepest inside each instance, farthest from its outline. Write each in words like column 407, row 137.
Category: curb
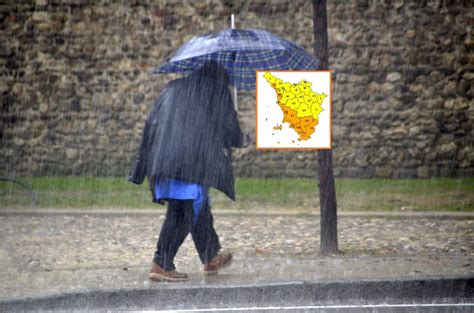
column 170, row 296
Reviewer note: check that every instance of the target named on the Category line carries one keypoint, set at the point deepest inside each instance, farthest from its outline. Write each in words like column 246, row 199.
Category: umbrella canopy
column 241, row 52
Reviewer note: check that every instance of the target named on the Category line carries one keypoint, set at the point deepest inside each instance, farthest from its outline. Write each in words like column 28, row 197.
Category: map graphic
column 293, row 110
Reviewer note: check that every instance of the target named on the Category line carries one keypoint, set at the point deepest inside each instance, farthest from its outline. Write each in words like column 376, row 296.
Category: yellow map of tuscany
column 300, row 105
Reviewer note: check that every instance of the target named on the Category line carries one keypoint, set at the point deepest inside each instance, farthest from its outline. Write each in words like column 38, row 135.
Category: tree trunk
column 327, row 190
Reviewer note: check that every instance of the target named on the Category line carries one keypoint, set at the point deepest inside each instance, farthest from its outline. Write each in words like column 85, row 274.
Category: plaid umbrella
column 241, row 52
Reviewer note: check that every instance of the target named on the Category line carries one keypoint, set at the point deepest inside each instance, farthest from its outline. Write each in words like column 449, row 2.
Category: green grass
column 440, row 194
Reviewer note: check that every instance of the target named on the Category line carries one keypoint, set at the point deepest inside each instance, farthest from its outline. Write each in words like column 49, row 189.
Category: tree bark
column 327, row 190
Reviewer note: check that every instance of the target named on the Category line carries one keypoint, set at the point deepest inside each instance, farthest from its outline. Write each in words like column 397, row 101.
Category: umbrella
column 241, row 52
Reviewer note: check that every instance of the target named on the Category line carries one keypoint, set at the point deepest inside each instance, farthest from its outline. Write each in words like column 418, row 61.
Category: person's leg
column 177, row 225
column 204, row 235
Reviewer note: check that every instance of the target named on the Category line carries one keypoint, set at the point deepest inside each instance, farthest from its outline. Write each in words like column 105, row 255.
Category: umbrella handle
column 236, row 106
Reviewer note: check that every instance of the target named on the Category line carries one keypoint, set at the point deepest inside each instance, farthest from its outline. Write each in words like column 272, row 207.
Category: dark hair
column 214, row 70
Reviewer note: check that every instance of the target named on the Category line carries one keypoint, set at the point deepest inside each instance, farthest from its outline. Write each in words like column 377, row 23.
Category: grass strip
column 437, row 194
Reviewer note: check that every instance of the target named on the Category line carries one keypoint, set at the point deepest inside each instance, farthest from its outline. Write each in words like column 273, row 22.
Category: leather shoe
column 157, row 273
column 220, row 261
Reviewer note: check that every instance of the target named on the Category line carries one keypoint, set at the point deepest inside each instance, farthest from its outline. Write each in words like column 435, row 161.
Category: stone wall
column 75, row 83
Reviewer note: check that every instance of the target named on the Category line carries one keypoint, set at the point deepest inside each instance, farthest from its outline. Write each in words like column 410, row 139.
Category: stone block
column 393, row 77
column 423, row 171
column 383, row 171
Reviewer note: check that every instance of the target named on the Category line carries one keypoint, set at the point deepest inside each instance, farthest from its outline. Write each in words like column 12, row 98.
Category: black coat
column 188, row 135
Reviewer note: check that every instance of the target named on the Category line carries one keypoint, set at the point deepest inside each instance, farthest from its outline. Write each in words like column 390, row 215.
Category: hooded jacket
column 189, row 133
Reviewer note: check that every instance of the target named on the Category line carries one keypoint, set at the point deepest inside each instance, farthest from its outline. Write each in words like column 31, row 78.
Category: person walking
column 185, row 150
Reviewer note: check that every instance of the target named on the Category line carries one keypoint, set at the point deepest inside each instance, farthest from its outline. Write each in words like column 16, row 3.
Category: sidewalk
column 43, row 254
column 272, row 212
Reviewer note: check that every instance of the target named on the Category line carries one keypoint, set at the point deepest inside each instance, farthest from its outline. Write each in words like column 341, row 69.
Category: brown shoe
column 220, row 261
column 157, row 273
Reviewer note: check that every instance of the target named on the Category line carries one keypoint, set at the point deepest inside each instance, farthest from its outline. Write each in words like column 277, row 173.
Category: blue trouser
column 178, row 224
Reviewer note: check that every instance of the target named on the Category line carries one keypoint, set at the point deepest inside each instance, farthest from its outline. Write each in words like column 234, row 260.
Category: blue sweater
column 182, row 190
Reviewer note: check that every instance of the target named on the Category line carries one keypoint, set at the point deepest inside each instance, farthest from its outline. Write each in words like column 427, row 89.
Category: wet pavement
column 46, row 254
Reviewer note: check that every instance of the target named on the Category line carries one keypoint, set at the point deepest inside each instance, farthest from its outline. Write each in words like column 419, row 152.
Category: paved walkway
column 45, row 254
